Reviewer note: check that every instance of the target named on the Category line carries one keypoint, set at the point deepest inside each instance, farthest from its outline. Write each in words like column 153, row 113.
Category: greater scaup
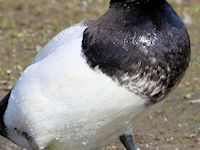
column 90, row 82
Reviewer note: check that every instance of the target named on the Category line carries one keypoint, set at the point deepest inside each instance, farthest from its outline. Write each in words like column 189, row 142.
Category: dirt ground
column 25, row 26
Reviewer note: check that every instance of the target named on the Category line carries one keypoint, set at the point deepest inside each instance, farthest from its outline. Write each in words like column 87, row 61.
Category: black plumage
column 143, row 45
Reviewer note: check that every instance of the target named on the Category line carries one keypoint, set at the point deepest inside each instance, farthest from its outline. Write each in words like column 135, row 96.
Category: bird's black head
column 137, row 2
column 129, row 1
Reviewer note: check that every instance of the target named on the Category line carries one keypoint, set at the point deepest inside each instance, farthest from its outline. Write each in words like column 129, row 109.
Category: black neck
column 133, row 10
column 135, row 2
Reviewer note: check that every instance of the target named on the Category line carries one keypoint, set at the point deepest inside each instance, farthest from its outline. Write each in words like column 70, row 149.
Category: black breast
column 146, row 50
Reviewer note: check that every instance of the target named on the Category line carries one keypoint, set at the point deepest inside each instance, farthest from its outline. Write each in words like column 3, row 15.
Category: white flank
column 60, row 101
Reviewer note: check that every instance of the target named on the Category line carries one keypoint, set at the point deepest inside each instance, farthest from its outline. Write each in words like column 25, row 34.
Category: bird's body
column 91, row 81
column 57, row 100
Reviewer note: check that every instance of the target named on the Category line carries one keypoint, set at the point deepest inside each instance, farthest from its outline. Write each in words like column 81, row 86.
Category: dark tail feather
column 3, row 106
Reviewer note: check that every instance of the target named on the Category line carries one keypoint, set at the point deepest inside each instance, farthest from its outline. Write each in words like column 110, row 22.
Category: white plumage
column 60, row 101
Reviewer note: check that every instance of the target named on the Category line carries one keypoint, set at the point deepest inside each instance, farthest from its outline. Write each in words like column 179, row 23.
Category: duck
column 88, row 85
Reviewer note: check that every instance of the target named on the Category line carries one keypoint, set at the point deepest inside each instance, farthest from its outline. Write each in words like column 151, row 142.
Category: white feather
column 60, row 101
column 59, row 40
